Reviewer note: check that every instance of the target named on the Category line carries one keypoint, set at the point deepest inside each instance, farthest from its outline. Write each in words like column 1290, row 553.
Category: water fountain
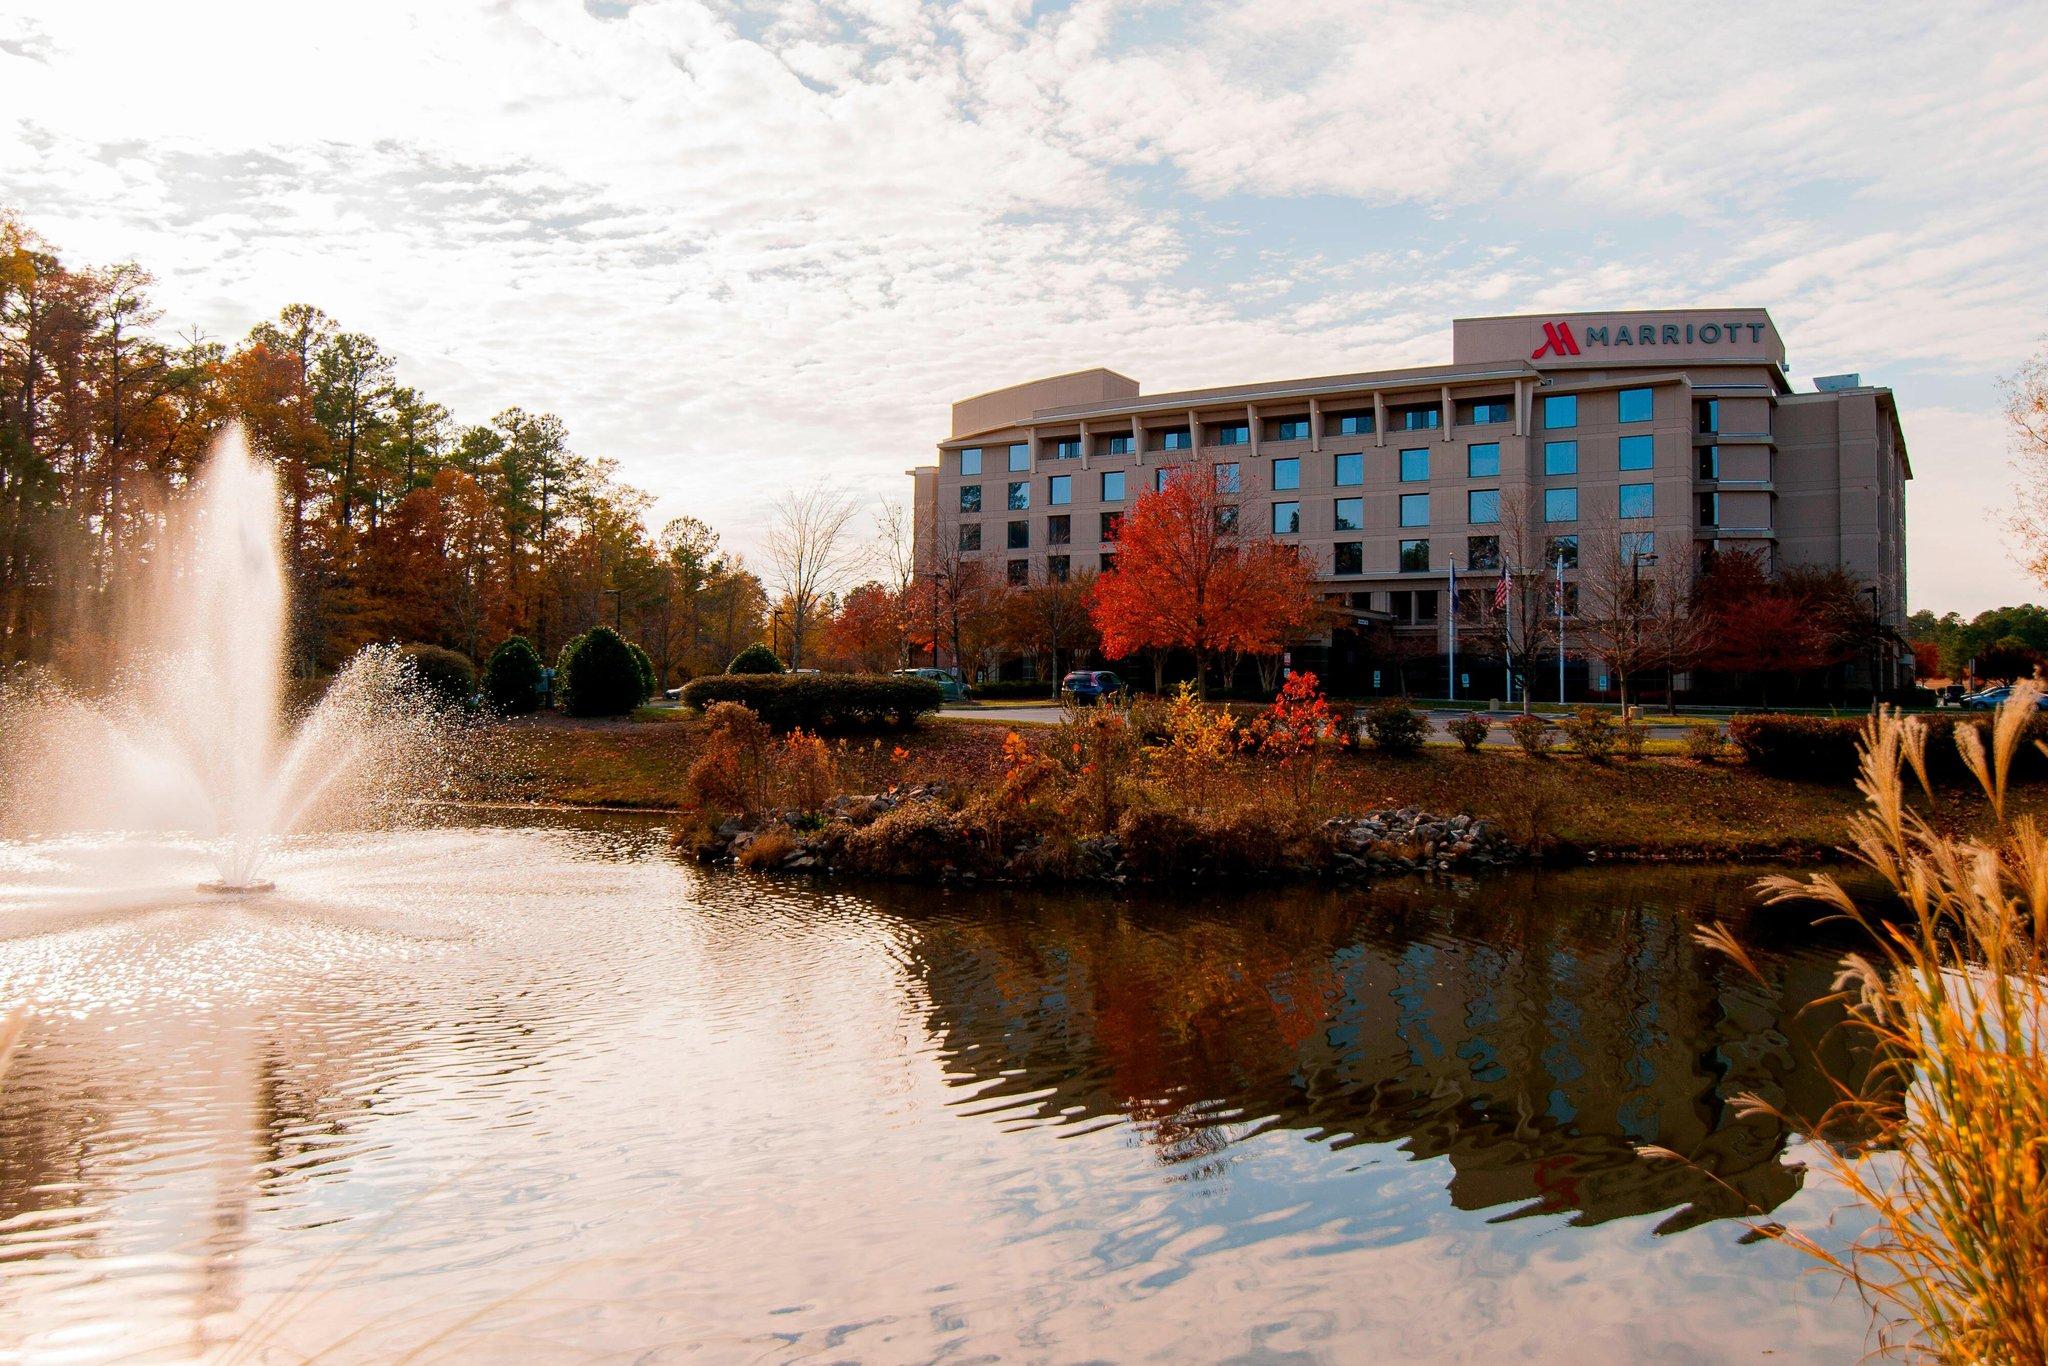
column 194, row 736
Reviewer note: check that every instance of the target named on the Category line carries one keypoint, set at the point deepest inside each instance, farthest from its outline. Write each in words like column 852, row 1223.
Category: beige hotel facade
column 1669, row 432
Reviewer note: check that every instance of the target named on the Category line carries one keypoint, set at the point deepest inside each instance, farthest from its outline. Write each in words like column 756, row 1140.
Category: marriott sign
column 1559, row 340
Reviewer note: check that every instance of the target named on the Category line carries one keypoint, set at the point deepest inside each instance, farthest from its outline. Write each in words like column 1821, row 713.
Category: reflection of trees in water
column 1535, row 1031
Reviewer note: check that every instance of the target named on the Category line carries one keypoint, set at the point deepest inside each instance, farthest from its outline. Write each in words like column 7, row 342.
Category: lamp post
column 1635, row 599
column 940, row 578
column 1876, row 626
column 618, row 608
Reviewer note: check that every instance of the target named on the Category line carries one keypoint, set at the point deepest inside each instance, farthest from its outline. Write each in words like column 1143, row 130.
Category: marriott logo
column 1558, row 339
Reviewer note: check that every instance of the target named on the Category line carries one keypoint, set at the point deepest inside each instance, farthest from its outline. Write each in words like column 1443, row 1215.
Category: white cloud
column 736, row 243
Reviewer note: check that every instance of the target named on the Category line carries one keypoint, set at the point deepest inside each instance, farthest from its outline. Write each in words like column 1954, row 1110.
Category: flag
column 1500, row 592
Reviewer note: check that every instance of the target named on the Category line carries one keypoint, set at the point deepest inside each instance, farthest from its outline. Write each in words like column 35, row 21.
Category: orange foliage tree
column 1187, row 578
column 866, row 632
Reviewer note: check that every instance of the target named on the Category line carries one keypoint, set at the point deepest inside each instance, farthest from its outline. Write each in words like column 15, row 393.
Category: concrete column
column 1251, row 417
column 1315, row 424
column 1084, row 443
column 1194, row 432
column 1448, row 411
column 1030, row 449
column 1379, row 418
column 1137, row 440
column 1521, row 407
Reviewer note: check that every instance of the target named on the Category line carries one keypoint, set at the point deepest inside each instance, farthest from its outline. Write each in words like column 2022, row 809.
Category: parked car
column 951, row 688
column 1992, row 698
column 1091, row 685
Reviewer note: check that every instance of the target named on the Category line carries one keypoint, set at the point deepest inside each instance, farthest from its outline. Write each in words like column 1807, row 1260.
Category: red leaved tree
column 1186, row 578
column 866, row 634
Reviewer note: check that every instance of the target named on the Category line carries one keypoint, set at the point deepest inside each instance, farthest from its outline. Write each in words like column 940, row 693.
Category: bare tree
column 2026, row 414
column 1635, row 619
column 811, row 557
column 896, row 554
column 1520, row 627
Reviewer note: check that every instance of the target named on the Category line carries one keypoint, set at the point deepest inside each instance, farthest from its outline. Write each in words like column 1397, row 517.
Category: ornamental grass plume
column 1954, row 997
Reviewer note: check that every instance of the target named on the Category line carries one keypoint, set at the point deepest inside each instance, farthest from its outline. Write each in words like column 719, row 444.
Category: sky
column 744, row 246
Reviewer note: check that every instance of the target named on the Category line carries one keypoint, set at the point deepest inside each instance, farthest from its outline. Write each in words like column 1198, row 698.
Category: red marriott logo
column 1557, row 341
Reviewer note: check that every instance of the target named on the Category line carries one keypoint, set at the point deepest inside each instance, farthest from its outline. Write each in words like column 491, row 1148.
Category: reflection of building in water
column 1537, row 1044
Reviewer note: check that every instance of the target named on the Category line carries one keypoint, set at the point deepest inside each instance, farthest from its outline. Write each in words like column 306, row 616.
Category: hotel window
column 1562, row 547
column 1059, row 488
column 1067, row 448
column 1710, row 509
column 1291, row 429
column 1560, row 410
column 1710, row 462
column 1056, row 568
column 1560, row 457
column 1425, row 604
column 1421, row 418
column 1020, row 536
column 970, row 536
column 1163, row 476
column 1227, row 478
column 1482, row 506
column 1482, row 460
column 1350, row 470
column 1415, row 557
column 1414, row 509
column 1349, row 557
column 1113, row 486
column 970, row 497
column 1020, row 573
column 1234, row 434
column 1350, row 514
column 1482, row 552
column 1112, row 526
column 1415, row 466
column 1020, row 496
column 1226, row 520
column 1707, row 415
column 1635, row 405
column 970, row 460
column 1108, row 562
column 1287, row 473
column 1353, row 424
column 1059, row 530
column 1175, row 439
column 1020, row 457
column 1638, row 452
column 1117, row 445
column 1638, row 500
column 1486, row 411
column 1560, row 505
column 1638, row 545
column 1286, row 519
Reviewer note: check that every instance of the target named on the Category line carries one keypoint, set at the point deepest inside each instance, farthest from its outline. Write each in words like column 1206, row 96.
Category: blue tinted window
column 1415, row 557
column 1175, row 440
column 1286, row 518
column 1414, row 509
column 1419, row 419
column 1415, row 466
column 1635, row 405
column 970, row 460
column 1560, row 505
column 1020, row 456
column 1287, row 473
column 1560, row 457
column 1487, row 413
column 970, row 498
column 1638, row 452
column 1638, row 500
column 1294, row 429
column 1119, row 445
column 1351, row 514
column 1227, row 479
column 1482, row 461
column 1067, row 449
column 1482, row 506
column 1112, row 486
column 1234, row 434
column 1561, row 410
column 1020, row 496
column 1350, row 469
column 1354, row 424
column 1059, row 489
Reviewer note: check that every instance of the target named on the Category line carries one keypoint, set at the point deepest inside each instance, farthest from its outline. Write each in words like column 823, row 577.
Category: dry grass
column 1954, row 997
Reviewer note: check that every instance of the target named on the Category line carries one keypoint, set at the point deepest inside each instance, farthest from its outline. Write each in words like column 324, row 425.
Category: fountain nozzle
column 237, row 888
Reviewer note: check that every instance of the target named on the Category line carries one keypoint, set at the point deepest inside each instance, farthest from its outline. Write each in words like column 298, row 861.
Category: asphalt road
column 1050, row 716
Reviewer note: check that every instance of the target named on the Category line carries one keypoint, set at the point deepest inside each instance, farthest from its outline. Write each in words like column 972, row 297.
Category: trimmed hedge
column 820, row 701
column 598, row 676
column 755, row 659
column 645, row 665
column 1826, row 748
column 1395, row 727
column 512, row 677
column 446, row 677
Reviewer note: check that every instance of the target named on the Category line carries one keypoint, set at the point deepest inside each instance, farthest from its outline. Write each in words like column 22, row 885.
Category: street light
column 618, row 608
column 1876, row 627
column 1635, row 600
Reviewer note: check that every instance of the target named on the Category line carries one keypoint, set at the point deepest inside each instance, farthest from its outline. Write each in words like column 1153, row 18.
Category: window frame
column 1472, row 450
column 1409, row 500
column 1402, row 467
column 1564, row 403
column 1293, row 507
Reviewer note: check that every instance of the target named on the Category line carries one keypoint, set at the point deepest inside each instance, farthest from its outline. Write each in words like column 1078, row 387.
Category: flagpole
column 1454, row 631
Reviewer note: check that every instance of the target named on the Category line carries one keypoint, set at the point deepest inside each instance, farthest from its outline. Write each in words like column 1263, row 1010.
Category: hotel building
column 1669, row 433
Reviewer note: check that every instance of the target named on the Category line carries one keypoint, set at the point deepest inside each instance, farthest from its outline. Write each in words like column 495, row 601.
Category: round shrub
column 597, row 675
column 512, row 677
column 1533, row 734
column 446, row 677
column 755, row 659
column 645, row 665
column 1469, row 729
column 1395, row 727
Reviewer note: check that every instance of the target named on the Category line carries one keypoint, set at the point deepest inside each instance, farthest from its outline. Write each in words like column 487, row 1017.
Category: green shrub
column 512, row 677
column 1819, row 747
column 1469, row 729
column 1591, row 732
column 1395, row 727
column 445, row 677
column 1703, row 744
column 755, row 659
column 1533, row 734
column 820, row 701
column 598, row 676
column 911, row 841
column 646, row 667
column 562, row 664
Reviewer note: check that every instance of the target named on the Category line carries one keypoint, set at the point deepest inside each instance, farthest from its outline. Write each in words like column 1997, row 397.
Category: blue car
column 1090, row 685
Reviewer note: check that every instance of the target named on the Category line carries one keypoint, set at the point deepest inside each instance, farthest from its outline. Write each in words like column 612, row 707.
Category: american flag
column 1500, row 591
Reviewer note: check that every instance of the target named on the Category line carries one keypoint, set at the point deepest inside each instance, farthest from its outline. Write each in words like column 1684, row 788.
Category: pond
column 547, row 1093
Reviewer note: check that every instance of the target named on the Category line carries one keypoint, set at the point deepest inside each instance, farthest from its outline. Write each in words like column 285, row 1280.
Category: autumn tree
column 865, row 634
column 1187, row 578
column 811, row 558
column 1051, row 619
column 2026, row 415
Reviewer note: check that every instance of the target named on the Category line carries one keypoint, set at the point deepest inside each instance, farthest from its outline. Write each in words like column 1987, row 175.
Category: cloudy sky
column 737, row 245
